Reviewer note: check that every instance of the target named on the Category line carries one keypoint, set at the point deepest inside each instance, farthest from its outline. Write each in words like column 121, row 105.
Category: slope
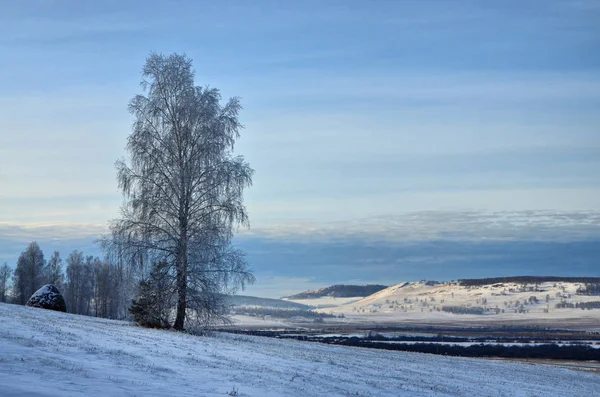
column 44, row 353
column 452, row 301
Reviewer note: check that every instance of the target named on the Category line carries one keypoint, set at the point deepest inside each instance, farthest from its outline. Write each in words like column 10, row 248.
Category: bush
column 153, row 306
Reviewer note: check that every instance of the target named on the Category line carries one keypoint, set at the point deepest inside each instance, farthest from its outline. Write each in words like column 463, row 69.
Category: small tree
column 29, row 274
column 79, row 291
column 74, row 280
column 155, row 294
column 53, row 272
column 105, row 285
column 5, row 274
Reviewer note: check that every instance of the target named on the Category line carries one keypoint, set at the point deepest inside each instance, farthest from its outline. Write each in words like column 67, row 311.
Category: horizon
column 389, row 140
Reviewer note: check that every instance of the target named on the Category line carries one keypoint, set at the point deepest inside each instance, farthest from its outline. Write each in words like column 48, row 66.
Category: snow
column 45, row 295
column 45, row 290
column 266, row 322
column 46, row 353
column 389, row 305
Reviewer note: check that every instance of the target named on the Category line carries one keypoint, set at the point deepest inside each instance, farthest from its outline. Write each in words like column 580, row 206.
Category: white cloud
column 451, row 87
column 463, row 225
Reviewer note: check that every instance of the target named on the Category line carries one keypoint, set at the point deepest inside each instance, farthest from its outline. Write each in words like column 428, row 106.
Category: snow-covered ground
column 44, row 353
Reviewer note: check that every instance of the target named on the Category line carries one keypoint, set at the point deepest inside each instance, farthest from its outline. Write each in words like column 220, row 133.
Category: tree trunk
column 181, row 297
column 181, row 283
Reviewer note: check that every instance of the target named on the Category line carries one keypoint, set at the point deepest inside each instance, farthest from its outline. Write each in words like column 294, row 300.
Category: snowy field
column 45, row 353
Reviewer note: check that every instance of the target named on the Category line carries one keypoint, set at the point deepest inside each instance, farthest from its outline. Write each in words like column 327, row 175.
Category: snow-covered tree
column 152, row 306
column 123, row 282
column 108, row 280
column 5, row 274
column 53, row 272
column 80, row 283
column 29, row 274
column 183, row 188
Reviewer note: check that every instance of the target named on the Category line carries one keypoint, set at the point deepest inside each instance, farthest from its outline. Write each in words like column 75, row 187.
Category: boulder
column 48, row 297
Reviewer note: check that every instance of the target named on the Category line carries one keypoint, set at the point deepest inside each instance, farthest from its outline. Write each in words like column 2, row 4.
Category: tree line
column 551, row 351
column 340, row 291
column 578, row 305
column 527, row 280
column 90, row 286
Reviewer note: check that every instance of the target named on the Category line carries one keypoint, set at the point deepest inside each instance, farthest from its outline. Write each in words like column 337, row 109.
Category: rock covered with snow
column 48, row 297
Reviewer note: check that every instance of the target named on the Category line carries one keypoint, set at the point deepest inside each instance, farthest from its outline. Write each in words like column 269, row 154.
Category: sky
column 391, row 140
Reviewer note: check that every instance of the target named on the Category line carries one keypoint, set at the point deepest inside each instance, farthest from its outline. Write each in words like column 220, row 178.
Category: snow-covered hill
column 455, row 302
column 44, row 353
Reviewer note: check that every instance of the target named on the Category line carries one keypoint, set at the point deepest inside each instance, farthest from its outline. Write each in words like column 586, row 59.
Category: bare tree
column 53, row 271
column 80, row 283
column 29, row 274
column 107, row 285
column 87, row 291
column 5, row 274
column 74, row 279
column 183, row 186
column 123, row 280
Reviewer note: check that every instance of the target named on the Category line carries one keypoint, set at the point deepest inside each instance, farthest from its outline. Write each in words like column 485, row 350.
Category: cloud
column 456, row 88
column 444, row 225
column 295, row 256
column 64, row 238
column 331, row 206
column 474, row 226
column 361, row 261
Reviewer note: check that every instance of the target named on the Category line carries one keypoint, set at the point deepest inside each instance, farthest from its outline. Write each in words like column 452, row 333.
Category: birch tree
column 81, row 282
column 75, row 282
column 29, row 274
column 5, row 273
column 53, row 273
column 183, row 187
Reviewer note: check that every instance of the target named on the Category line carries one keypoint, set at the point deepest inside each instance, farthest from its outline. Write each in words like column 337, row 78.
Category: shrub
column 153, row 306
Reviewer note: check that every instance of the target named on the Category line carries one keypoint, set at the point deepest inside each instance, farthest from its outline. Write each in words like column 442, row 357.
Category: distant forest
column 578, row 305
column 339, row 291
column 547, row 351
column 527, row 280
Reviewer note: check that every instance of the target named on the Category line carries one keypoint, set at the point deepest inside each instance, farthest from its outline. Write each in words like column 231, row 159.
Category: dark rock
column 48, row 297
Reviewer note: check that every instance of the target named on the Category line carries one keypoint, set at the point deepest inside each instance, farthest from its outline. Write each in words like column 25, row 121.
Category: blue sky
column 360, row 116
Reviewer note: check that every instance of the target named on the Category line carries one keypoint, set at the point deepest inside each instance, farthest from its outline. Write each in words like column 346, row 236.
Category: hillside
column 338, row 291
column 477, row 300
column 44, row 353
